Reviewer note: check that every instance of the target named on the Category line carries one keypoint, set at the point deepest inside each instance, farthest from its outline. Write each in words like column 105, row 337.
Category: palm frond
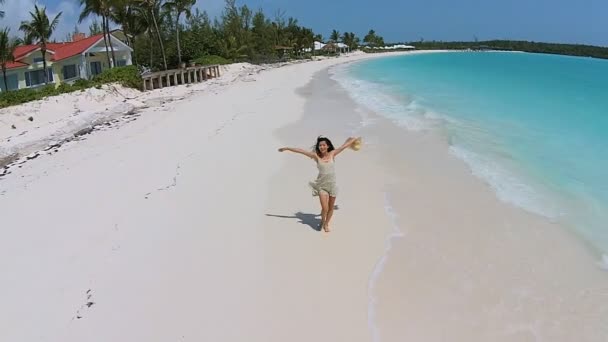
column 39, row 28
column 87, row 11
column 54, row 23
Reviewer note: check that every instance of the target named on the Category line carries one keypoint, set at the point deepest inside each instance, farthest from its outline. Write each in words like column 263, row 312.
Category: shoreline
column 484, row 228
column 335, row 274
column 549, row 213
column 473, row 196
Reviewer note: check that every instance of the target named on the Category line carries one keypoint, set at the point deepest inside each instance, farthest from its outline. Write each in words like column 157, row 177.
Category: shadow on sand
column 311, row 220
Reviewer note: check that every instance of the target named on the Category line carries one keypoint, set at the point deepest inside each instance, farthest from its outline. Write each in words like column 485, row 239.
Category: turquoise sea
column 533, row 126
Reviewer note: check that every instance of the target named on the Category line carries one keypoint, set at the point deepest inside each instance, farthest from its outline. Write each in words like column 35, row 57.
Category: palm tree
column 107, row 27
column 351, row 40
column 102, row 9
column 306, row 39
column 150, row 8
column 179, row 6
column 27, row 40
column 335, row 36
column 127, row 15
column 40, row 29
column 7, row 52
column 372, row 39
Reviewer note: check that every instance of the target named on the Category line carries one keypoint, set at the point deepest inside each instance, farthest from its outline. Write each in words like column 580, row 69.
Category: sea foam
column 395, row 233
column 378, row 99
column 411, row 114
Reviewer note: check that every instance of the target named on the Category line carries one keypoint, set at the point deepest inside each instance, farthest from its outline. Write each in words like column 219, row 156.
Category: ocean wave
column 412, row 114
column 512, row 140
column 507, row 186
column 380, row 99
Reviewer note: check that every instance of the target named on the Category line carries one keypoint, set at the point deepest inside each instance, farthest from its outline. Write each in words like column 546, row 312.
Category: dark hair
column 330, row 146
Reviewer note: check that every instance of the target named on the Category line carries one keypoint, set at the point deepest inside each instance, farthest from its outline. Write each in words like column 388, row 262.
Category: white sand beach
column 32, row 126
column 157, row 230
column 181, row 222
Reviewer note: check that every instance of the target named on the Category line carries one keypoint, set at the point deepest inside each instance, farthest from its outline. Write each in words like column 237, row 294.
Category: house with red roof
column 82, row 58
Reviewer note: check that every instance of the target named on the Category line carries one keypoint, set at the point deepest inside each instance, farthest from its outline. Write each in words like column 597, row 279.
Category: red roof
column 23, row 50
column 67, row 50
column 55, row 46
column 13, row 65
column 60, row 50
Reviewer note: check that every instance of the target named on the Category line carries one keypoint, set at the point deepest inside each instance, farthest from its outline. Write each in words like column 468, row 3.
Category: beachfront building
column 335, row 47
column 82, row 58
column 394, row 47
column 343, row 47
column 315, row 47
column 330, row 47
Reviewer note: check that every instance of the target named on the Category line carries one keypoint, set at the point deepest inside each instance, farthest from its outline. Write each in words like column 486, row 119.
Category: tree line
column 371, row 39
column 517, row 45
column 167, row 33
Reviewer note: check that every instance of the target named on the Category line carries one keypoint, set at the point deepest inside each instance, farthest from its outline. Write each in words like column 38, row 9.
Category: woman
column 325, row 185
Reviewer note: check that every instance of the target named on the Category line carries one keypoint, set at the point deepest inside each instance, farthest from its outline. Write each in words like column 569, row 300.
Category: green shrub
column 65, row 88
column 127, row 76
column 264, row 59
column 82, row 84
column 47, row 90
column 11, row 98
column 211, row 60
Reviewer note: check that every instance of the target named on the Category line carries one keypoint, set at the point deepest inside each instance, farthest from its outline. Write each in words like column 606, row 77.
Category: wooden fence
column 168, row 78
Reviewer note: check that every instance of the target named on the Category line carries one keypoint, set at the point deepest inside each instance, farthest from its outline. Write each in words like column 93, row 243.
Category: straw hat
column 356, row 146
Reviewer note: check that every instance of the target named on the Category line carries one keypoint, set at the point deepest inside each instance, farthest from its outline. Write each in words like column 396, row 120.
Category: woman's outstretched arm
column 300, row 151
column 344, row 146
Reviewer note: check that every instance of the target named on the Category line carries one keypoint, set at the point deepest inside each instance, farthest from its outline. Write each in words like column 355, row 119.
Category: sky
column 562, row 21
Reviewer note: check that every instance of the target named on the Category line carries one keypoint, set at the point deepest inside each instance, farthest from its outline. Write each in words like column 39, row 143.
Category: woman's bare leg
column 324, row 199
column 330, row 212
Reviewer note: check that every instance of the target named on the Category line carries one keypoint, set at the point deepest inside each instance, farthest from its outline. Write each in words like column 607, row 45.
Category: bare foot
column 326, row 228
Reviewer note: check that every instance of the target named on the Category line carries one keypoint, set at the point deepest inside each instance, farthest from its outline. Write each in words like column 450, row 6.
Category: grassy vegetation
column 212, row 59
column 127, row 76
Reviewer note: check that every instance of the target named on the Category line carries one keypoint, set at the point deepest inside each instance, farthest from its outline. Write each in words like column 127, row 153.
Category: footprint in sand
column 88, row 304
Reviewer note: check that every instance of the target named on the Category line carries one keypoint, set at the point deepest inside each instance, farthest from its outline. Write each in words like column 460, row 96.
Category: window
column 12, row 82
column 36, row 77
column 37, row 59
column 95, row 68
column 121, row 63
column 70, row 71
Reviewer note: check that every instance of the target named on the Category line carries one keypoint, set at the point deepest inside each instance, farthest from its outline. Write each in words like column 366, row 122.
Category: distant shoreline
column 471, row 50
column 577, row 50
